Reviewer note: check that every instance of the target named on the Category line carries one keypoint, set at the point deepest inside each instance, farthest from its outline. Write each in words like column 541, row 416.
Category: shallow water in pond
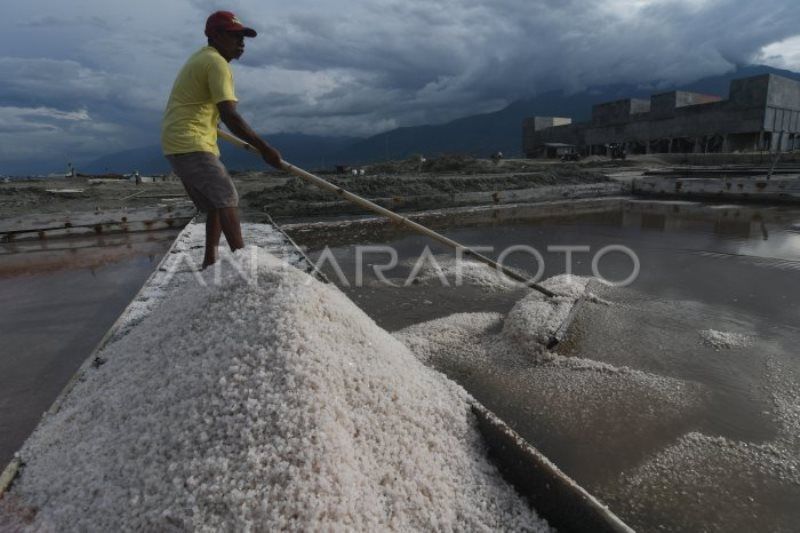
column 57, row 300
column 702, row 347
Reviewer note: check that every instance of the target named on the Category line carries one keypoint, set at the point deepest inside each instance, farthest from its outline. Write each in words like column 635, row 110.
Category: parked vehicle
column 617, row 151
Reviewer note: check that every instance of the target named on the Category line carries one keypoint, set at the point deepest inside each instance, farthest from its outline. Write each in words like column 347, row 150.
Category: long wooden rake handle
column 401, row 220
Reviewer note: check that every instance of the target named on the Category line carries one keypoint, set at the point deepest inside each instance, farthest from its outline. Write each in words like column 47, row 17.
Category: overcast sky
column 82, row 78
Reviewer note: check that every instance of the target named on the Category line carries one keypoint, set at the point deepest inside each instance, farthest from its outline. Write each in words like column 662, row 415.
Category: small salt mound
column 435, row 270
column 535, row 318
column 726, row 340
column 428, row 339
column 608, row 414
column 705, row 483
column 263, row 405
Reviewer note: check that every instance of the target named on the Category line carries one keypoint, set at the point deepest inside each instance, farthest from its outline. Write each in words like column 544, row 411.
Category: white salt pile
column 529, row 325
column 492, row 337
column 726, row 340
column 704, row 482
column 263, row 405
column 185, row 259
column 535, row 318
column 608, row 413
column 712, row 472
column 446, row 270
column 459, row 336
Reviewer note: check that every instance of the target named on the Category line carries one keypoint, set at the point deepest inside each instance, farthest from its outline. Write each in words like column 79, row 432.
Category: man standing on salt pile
column 202, row 94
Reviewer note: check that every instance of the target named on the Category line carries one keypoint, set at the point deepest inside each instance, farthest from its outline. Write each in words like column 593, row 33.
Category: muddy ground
column 282, row 195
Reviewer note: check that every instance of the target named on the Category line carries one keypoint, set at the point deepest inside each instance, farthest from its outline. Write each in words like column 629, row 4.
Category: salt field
column 672, row 399
column 254, row 396
column 400, row 267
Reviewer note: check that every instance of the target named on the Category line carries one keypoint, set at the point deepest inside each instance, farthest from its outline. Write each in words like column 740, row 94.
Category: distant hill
column 478, row 135
column 309, row 151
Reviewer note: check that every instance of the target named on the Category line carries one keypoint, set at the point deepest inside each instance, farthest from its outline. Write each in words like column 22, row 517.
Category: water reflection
column 22, row 258
column 57, row 300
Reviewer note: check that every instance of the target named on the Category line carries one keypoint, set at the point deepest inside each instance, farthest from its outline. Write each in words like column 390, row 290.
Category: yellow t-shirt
column 191, row 118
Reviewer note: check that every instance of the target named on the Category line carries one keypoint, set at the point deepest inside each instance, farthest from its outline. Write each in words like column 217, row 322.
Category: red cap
column 226, row 21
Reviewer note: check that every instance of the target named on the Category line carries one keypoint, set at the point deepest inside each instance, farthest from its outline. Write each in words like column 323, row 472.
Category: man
column 203, row 94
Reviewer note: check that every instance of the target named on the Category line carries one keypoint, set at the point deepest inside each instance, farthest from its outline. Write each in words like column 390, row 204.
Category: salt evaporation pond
column 57, row 300
column 673, row 399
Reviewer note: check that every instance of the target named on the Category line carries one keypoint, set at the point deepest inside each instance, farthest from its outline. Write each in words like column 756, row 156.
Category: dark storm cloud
column 454, row 58
column 50, row 21
column 357, row 67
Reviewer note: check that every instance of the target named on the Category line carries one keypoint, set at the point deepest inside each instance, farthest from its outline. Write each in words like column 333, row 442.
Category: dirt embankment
column 283, row 195
column 75, row 195
column 420, row 187
column 467, row 165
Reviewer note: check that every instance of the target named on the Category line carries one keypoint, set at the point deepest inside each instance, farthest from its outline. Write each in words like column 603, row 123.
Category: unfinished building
column 761, row 113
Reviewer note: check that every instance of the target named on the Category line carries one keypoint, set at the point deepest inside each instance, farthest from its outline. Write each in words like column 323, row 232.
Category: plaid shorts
column 205, row 179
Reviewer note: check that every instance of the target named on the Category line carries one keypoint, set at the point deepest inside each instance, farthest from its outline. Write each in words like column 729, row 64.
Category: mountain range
column 478, row 135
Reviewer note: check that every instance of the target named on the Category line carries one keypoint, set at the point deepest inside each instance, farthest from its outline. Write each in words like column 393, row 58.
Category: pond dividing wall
column 777, row 189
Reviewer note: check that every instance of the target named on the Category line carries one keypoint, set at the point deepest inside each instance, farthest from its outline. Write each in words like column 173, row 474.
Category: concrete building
column 761, row 113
